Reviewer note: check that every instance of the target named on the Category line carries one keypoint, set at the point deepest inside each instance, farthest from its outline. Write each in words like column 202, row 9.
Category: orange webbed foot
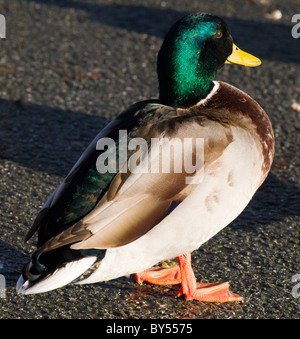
column 160, row 276
column 203, row 292
column 211, row 292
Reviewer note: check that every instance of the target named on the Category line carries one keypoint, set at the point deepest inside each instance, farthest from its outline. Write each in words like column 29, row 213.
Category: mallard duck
column 108, row 220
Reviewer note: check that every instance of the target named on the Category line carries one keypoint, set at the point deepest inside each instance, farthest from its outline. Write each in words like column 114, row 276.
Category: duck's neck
column 185, row 75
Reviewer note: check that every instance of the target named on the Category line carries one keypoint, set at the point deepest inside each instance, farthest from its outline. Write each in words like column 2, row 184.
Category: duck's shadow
column 273, row 40
column 274, row 201
column 11, row 261
column 43, row 138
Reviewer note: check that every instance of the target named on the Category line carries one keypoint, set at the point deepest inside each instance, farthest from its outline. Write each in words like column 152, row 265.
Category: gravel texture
column 66, row 69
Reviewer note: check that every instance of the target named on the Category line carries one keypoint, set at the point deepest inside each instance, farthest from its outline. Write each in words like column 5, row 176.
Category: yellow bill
column 242, row 58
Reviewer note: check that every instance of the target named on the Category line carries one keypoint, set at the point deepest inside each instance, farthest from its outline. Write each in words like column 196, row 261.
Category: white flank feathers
column 58, row 278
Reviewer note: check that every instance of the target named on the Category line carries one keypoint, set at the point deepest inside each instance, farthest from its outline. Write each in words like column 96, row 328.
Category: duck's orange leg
column 189, row 287
column 203, row 292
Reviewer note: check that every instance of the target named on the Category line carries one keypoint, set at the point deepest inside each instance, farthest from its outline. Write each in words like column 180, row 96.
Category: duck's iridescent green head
column 192, row 52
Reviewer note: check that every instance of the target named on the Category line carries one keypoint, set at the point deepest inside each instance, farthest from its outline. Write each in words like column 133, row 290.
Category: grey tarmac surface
column 66, row 69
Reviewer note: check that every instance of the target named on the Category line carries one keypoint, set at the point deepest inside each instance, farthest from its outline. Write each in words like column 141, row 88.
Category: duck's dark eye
column 219, row 34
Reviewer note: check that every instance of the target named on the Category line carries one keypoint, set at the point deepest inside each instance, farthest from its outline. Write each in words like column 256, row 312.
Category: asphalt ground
column 66, row 69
